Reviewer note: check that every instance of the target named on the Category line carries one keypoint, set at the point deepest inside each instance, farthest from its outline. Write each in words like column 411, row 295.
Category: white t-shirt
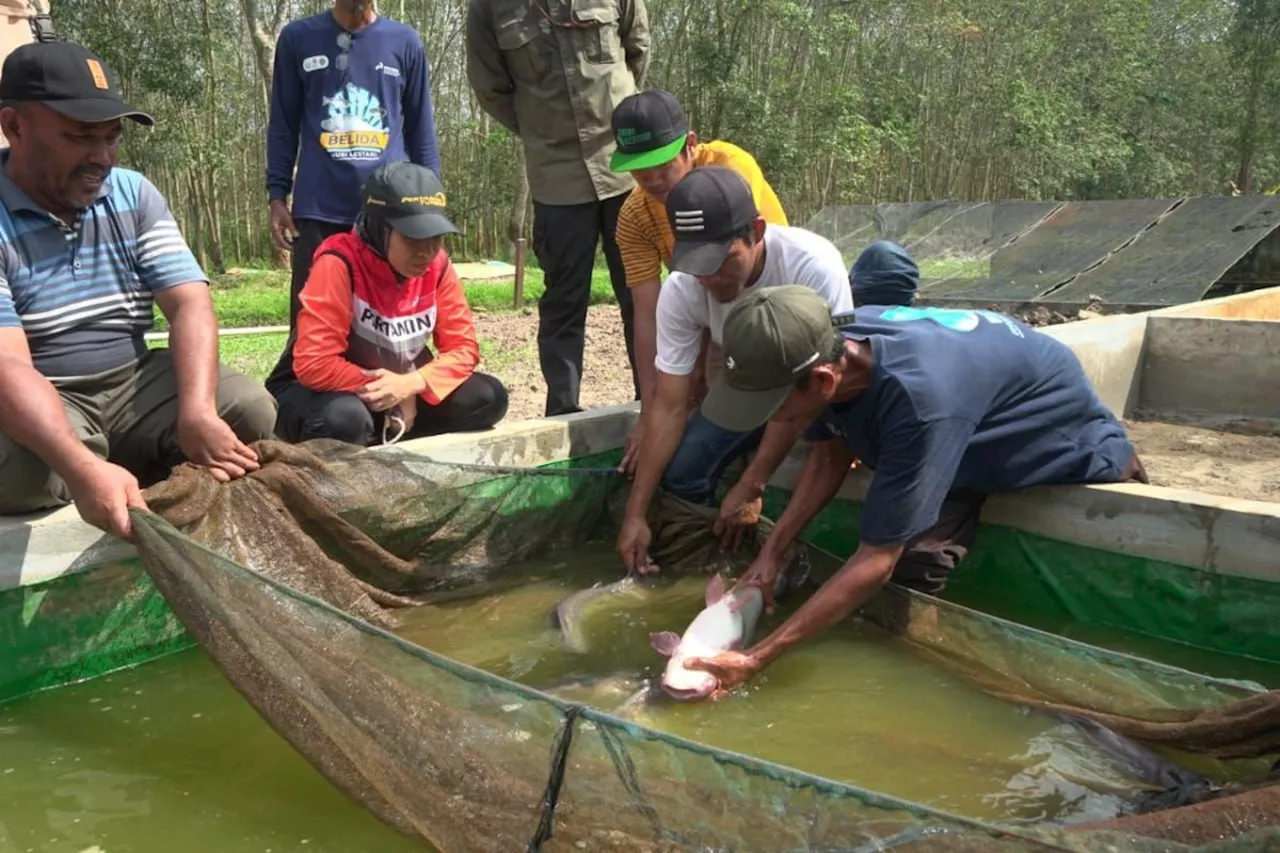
column 792, row 256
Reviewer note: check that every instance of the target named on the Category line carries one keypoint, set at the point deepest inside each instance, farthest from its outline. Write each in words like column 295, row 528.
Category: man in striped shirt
column 656, row 146
column 86, row 410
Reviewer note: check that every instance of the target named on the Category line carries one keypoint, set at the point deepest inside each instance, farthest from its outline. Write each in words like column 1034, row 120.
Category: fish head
column 687, row 685
column 678, row 681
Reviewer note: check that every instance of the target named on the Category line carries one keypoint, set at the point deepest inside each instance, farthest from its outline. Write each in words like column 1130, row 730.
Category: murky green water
column 854, row 705
column 168, row 757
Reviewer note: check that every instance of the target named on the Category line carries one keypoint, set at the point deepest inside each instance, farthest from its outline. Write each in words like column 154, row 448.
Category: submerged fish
column 725, row 624
column 620, row 694
column 1176, row 784
column 568, row 619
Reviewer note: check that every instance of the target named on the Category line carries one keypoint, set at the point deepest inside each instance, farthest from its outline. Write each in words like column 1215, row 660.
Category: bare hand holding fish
column 731, row 670
column 634, row 539
column 739, row 512
column 708, row 661
column 763, row 575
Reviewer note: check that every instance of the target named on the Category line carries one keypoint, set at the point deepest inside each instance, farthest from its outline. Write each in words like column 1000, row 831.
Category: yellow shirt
column 643, row 235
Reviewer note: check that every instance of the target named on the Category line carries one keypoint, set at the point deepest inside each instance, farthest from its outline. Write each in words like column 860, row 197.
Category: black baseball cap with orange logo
column 68, row 79
column 409, row 198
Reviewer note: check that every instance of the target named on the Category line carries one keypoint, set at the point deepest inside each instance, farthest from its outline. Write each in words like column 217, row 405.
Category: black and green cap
column 649, row 128
column 408, row 197
column 771, row 337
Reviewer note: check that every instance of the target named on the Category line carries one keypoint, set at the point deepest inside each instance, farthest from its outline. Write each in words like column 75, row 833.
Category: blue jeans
column 704, row 452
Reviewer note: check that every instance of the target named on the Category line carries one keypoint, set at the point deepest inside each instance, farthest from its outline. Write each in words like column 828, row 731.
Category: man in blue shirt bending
column 350, row 90
column 945, row 406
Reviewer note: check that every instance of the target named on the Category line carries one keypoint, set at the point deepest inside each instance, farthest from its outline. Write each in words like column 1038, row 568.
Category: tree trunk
column 515, row 223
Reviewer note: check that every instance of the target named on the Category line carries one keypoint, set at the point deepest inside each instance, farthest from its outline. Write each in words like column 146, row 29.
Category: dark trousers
column 700, row 460
column 928, row 560
column 564, row 242
column 129, row 416
column 311, row 233
column 476, row 404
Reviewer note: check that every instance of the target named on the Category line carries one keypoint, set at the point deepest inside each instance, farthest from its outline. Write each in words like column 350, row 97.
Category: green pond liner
column 1048, row 583
column 471, row 761
column 89, row 623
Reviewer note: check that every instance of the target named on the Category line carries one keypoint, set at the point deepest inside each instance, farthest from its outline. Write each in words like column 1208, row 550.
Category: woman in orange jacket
column 360, row 363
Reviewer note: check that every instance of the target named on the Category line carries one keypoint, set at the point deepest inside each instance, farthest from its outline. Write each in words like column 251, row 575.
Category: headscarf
column 884, row 274
column 374, row 229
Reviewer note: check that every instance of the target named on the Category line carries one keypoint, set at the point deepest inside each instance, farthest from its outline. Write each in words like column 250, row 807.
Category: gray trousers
column 129, row 416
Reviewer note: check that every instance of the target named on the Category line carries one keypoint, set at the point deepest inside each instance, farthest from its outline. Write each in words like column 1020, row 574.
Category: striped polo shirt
column 83, row 291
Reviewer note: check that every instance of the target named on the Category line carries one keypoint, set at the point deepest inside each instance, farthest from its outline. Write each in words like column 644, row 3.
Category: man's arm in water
column 848, row 589
column 664, row 426
column 917, row 468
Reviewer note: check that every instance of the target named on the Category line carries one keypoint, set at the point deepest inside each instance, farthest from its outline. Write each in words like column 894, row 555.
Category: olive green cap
column 770, row 338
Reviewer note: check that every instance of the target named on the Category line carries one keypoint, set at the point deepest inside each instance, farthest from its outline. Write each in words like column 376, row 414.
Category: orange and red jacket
column 357, row 315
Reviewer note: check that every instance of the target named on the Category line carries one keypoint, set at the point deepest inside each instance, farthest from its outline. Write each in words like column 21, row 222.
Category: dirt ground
column 509, row 343
column 1184, row 457
column 1213, row 461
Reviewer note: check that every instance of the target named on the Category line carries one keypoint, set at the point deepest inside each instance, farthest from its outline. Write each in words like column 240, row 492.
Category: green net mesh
column 292, row 579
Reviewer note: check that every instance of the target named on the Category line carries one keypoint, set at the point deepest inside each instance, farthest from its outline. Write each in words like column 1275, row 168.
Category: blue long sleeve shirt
column 338, row 124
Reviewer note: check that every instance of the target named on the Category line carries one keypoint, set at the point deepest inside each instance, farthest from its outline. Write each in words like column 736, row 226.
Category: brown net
column 291, row 577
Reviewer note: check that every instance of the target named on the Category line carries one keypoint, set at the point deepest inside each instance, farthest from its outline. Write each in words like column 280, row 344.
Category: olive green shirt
column 555, row 87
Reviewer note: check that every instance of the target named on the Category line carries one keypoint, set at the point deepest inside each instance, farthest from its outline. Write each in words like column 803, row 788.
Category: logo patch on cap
column 628, row 136
column 98, row 73
column 690, row 220
column 436, row 200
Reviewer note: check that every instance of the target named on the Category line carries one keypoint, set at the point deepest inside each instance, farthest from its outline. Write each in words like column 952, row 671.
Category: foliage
column 840, row 100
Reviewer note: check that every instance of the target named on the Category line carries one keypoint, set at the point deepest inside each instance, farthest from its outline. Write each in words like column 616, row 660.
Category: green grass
column 255, row 355
column 261, row 297
column 252, row 355
column 955, row 267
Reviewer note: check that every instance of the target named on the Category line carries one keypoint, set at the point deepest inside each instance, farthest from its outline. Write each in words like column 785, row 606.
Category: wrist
column 637, row 508
column 75, row 466
column 752, row 485
column 760, row 655
column 194, row 413
column 774, row 546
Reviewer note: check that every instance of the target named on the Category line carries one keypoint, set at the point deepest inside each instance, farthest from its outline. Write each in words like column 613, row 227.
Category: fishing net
column 293, row 579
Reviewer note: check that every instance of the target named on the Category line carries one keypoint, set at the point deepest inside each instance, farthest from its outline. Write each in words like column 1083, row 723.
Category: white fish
column 725, row 624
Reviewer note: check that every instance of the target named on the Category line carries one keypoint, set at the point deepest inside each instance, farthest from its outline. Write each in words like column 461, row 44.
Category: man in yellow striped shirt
column 655, row 144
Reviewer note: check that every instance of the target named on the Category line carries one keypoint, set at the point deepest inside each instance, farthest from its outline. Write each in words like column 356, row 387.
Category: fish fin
column 715, row 589
column 740, row 598
column 664, row 642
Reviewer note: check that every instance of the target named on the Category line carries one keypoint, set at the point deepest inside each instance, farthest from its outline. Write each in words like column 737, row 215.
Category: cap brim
column 96, row 110
column 420, row 226
column 699, row 258
column 621, row 162
column 741, row 411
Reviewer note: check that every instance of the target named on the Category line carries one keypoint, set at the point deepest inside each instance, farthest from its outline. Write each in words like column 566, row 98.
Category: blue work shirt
column 339, row 124
column 966, row 400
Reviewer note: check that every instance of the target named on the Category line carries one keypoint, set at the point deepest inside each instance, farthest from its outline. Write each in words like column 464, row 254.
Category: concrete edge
column 46, row 545
column 1216, row 534
column 1188, row 528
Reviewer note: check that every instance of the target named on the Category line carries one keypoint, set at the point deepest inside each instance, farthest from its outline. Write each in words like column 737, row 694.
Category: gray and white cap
column 705, row 210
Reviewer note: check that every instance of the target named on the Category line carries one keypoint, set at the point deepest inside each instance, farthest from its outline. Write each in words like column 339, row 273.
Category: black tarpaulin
column 1136, row 253
column 1074, row 238
column 1183, row 256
